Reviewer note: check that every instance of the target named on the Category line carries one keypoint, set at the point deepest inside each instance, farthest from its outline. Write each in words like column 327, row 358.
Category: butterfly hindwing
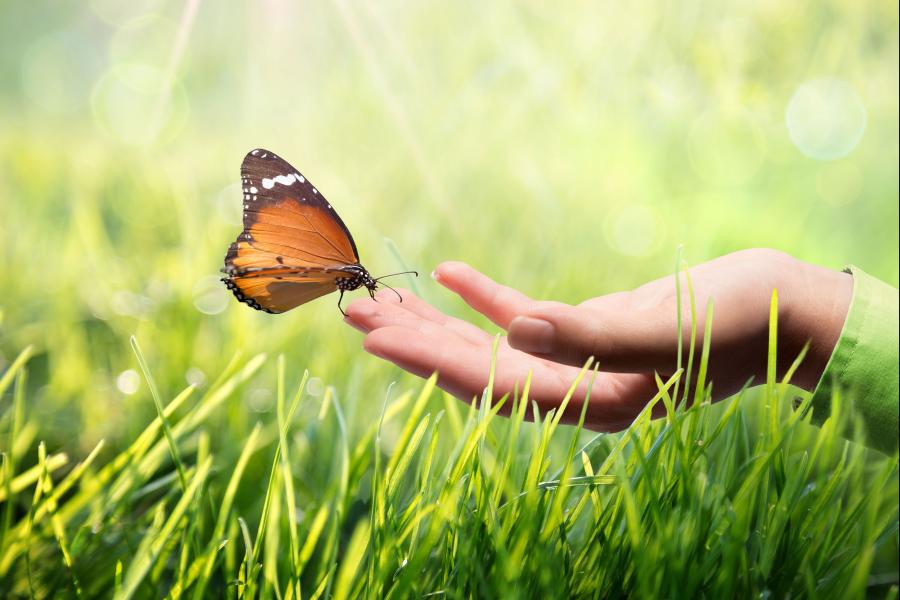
column 275, row 293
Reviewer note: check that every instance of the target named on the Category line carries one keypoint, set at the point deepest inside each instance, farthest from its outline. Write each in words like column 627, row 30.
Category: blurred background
column 565, row 151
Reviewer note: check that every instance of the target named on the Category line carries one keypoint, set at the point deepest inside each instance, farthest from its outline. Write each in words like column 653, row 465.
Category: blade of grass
column 160, row 412
column 56, row 525
column 147, row 556
column 404, row 266
column 353, row 558
column 216, row 541
column 30, row 476
column 772, row 404
column 270, row 488
column 10, row 458
column 286, row 476
column 17, row 364
column 678, row 317
column 29, row 527
column 689, row 370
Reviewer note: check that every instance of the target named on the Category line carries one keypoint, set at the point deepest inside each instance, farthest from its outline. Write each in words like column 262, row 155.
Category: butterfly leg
column 341, row 297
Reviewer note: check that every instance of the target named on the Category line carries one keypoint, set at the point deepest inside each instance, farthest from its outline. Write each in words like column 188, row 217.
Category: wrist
column 812, row 312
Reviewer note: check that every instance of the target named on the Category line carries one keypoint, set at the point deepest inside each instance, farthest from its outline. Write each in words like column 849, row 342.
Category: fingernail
column 531, row 335
column 435, row 276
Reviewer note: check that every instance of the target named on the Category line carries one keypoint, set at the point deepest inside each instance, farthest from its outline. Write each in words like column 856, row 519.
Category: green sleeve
column 864, row 362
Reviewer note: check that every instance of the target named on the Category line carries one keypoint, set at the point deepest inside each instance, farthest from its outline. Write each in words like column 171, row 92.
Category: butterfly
column 294, row 247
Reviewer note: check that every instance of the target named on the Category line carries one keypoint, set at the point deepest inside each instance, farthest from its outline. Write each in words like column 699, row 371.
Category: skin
column 631, row 335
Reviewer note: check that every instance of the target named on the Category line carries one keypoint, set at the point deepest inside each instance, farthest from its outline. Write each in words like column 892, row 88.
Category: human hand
column 632, row 335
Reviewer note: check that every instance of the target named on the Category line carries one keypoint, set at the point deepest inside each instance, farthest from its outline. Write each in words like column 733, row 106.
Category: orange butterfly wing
column 294, row 246
column 279, row 293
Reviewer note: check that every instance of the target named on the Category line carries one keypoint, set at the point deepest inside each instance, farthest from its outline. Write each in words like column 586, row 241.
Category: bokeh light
column 195, row 377
column 315, row 386
column 129, row 106
column 210, row 295
column 130, row 304
column 826, row 118
column 145, row 41
column 260, row 400
column 128, row 382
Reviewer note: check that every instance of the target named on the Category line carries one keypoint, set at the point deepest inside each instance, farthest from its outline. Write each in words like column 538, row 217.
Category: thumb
column 620, row 341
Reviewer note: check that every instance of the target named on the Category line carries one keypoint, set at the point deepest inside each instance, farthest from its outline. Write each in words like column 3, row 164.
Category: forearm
column 814, row 309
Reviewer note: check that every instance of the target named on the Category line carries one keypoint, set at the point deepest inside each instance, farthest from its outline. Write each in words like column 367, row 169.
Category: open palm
column 421, row 339
column 632, row 335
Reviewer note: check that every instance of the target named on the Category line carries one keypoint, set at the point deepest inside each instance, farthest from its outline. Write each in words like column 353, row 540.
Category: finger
column 498, row 303
column 621, row 341
column 388, row 310
column 462, row 369
column 357, row 326
column 360, row 313
column 371, row 316
column 467, row 330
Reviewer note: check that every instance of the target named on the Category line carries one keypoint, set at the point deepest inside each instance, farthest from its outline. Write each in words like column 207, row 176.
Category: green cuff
column 864, row 363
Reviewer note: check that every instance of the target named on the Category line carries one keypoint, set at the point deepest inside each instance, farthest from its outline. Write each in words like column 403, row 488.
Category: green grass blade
column 17, row 364
column 160, row 412
column 217, row 540
column 144, row 560
column 353, row 559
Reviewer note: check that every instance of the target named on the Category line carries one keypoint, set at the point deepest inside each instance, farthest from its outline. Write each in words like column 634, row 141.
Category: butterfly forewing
column 293, row 246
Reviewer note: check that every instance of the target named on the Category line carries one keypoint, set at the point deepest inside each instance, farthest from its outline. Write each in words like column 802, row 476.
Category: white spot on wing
column 253, row 190
column 282, row 179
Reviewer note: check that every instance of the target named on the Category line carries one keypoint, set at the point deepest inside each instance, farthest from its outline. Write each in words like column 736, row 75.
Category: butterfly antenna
column 388, row 287
column 378, row 279
column 416, row 273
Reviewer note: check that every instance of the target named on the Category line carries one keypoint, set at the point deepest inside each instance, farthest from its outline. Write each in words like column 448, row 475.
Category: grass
column 743, row 500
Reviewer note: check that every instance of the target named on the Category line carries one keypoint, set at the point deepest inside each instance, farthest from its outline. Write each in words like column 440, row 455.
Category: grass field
column 568, row 153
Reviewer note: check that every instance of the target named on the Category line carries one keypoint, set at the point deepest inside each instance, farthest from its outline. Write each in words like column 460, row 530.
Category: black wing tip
column 261, row 153
column 231, row 285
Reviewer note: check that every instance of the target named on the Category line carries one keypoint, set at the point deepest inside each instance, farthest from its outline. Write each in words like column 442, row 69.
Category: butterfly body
column 358, row 278
column 294, row 247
